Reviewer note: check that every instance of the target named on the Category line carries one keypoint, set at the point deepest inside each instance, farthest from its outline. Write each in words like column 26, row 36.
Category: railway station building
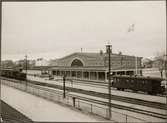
column 94, row 66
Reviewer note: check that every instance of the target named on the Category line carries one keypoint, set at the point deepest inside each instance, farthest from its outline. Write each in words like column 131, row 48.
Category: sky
column 56, row 29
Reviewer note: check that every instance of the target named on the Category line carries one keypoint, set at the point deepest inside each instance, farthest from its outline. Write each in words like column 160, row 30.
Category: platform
column 9, row 114
column 39, row 109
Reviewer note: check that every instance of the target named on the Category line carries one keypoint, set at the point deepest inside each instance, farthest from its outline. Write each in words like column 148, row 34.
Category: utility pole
column 121, row 62
column 26, row 63
column 108, row 47
column 165, row 65
column 0, row 57
column 136, row 64
column 26, row 68
column 64, row 86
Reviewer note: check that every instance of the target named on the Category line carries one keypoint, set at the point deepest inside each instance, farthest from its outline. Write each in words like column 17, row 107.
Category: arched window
column 76, row 63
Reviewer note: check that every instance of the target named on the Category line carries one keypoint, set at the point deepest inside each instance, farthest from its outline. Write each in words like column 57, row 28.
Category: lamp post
column 108, row 47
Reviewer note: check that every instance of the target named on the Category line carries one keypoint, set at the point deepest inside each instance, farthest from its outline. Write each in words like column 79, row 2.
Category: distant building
column 94, row 66
column 156, row 64
column 20, row 63
column 41, row 62
column 31, row 63
column 53, row 62
column 147, row 63
column 160, row 63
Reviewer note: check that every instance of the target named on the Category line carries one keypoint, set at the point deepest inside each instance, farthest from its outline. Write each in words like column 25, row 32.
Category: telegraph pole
column 108, row 47
column 165, row 65
column 64, row 86
column 26, row 63
column 0, row 57
column 121, row 62
column 136, row 64
column 26, row 68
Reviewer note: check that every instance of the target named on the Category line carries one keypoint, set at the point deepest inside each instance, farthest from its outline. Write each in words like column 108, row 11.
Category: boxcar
column 15, row 74
column 137, row 83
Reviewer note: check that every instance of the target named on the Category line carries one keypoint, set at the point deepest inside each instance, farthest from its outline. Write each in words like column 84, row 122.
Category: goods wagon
column 138, row 83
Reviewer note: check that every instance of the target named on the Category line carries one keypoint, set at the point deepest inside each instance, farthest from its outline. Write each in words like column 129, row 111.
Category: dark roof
column 89, row 58
column 87, row 54
column 98, row 68
column 140, row 77
column 94, row 55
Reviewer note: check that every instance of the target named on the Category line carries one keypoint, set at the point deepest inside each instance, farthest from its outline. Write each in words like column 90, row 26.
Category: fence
column 57, row 96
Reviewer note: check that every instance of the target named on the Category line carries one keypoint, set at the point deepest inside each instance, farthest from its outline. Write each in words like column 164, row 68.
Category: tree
column 160, row 59
column 8, row 64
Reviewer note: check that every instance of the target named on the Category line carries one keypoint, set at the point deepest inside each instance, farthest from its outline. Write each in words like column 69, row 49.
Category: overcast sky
column 55, row 29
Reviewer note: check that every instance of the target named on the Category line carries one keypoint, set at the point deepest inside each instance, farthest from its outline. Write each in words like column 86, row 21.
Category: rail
column 105, row 96
column 92, row 83
column 56, row 96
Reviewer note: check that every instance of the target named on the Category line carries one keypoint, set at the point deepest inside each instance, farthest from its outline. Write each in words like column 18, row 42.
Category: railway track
column 121, row 98
column 105, row 96
column 104, row 103
column 86, row 82
column 145, row 112
column 100, row 84
column 151, row 104
column 127, row 108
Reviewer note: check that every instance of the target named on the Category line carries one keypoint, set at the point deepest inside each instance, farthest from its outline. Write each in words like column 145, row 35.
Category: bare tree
column 159, row 58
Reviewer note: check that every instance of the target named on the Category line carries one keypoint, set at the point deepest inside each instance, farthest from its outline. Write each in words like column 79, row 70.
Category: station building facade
column 94, row 66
